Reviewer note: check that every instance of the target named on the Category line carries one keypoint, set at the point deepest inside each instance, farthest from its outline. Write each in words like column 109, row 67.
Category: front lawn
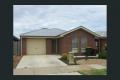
column 94, row 72
column 92, row 61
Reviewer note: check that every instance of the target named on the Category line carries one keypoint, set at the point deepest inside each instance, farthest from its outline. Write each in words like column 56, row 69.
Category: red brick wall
column 48, row 46
column 23, row 46
column 65, row 42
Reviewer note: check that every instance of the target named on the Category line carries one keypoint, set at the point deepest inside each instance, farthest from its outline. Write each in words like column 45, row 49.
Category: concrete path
column 50, row 70
column 37, row 61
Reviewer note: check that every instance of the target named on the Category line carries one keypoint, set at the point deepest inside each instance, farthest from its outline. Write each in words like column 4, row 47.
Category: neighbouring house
column 57, row 41
column 16, row 46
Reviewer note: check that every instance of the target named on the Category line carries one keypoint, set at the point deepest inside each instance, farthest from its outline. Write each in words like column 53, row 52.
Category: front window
column 74, row 44
column 83, row 43
column 96, row 43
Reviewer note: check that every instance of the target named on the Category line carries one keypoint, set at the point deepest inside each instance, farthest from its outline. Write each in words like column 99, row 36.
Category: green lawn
column 94, row 72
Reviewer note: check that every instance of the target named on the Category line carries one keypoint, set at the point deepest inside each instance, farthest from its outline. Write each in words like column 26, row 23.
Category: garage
column 36, row 46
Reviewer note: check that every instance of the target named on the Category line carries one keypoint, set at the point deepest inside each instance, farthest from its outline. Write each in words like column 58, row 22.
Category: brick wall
column 23, row 46
column 48, row 46
column 65, row 42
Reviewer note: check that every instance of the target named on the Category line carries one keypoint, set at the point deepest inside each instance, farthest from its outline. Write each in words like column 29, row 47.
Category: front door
column 54, row 46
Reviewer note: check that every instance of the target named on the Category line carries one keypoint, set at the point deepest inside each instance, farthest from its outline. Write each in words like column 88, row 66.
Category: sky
column 31, row 17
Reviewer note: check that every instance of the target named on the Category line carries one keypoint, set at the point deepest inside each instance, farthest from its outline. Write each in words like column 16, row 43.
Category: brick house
column 57, row 41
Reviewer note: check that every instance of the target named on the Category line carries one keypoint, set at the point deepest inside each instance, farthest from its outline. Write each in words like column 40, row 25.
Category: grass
column 94, row 72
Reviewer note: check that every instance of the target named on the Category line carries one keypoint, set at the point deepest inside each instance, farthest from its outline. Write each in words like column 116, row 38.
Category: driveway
column 37, row 61
column 49, row 65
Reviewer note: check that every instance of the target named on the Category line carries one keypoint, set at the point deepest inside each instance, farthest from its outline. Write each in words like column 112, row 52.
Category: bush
column 64, row 56
column 103, row 54
column 88, row 51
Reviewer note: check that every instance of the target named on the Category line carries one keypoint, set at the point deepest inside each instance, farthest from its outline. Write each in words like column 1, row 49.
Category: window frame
column 74, row 43
column 83, row 43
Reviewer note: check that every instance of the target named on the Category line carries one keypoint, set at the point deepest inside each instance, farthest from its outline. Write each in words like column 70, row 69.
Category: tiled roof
column 44, row 32
column 53, row 32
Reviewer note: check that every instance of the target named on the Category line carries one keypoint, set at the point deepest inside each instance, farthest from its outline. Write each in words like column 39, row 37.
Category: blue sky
column 32, row 17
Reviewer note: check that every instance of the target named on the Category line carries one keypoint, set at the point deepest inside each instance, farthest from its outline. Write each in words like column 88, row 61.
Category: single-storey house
column 57, row 41
column 16, row 46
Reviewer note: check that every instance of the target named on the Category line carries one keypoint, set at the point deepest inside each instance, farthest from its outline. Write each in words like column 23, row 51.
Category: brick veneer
column 65, row 42
column 48, row 46
column 24, row 46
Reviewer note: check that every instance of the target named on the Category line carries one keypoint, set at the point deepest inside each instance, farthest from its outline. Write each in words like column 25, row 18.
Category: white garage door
column 36, row 46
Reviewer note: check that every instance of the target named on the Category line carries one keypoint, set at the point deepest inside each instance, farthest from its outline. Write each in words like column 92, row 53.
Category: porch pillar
column 56, row 46
column 99, row 45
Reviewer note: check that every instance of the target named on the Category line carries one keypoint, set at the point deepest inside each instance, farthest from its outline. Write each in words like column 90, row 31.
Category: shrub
column 88, row 51
column 64, row 56
column 103, row 54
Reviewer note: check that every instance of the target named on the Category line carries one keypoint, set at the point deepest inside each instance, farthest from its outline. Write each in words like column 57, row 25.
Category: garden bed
column 16, row 60
column 92, row 61
column 66, row 62
column 88, row 61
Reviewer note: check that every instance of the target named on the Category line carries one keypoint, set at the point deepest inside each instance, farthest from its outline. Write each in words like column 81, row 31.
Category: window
column 75, row 44
column 96, row 43
column 83, row 43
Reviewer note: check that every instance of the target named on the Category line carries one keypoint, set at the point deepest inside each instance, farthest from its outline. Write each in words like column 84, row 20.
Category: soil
column 16, row 60
column 92, row 61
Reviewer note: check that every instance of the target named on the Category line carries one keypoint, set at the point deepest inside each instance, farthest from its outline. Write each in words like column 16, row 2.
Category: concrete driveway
column 37, row 61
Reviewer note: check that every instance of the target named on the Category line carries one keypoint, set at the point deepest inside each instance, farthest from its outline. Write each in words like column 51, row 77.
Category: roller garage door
column 36, row 46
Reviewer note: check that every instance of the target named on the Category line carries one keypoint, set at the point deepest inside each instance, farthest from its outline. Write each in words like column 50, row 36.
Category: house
column 16, row 46
column 102, row 40
column 57, row 41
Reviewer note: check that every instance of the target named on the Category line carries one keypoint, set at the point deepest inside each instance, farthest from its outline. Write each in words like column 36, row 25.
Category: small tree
column 64, row 56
